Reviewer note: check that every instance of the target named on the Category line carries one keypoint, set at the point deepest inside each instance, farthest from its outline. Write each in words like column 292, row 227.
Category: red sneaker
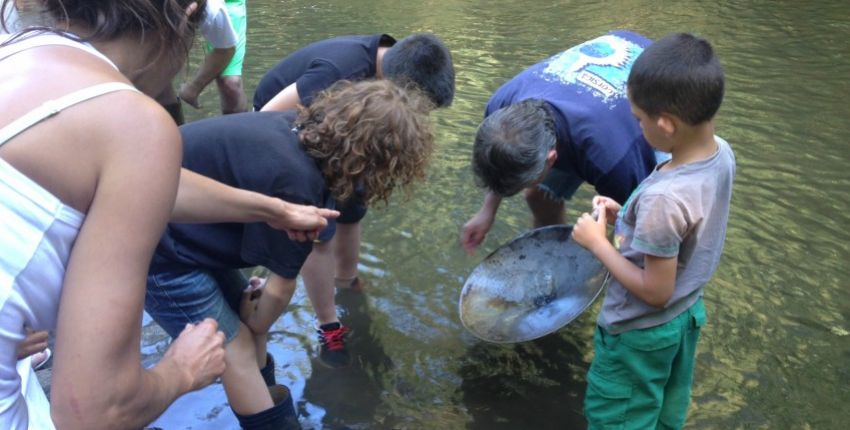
column 333, row 352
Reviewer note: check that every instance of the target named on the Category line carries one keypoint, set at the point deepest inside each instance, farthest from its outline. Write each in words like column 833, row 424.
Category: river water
column 776, row 351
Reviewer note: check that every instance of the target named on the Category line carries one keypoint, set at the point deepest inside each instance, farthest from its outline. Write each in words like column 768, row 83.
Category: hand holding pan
column 530, row 287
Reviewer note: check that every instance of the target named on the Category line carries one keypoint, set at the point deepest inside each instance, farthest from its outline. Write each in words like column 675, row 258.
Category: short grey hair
column 511, row 146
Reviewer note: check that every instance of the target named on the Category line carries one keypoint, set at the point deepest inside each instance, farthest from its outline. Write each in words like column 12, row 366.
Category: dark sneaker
column 333, row 351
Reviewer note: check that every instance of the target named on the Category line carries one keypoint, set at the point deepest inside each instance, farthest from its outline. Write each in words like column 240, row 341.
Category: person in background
column 557, row 124
column 668, row 238
column 419, row 59
column 225, row 51
column 370, row 134
column 89, row 172
column 228, row 79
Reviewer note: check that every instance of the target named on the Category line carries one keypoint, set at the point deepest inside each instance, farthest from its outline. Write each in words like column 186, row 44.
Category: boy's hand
column 589, row 232
column 612, row 208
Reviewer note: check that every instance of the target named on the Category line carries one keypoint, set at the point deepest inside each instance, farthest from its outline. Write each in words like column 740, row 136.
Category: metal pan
column 530, row 286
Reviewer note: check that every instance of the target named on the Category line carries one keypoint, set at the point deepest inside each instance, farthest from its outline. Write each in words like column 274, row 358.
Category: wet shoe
column 333, row 352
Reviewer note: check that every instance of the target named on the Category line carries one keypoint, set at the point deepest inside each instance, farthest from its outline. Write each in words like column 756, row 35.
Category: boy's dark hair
column 678, row 74
column 511, row 146
column 423, row 59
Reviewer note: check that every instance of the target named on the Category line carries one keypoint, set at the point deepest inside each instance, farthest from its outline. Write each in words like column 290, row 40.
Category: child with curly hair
column 371, row 134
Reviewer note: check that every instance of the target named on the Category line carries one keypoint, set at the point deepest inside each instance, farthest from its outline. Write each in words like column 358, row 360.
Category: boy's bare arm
column 654, row 284
column 286, row 99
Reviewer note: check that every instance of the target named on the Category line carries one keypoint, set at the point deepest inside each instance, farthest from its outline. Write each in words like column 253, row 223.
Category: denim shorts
column 562, row 184
column 177, row 298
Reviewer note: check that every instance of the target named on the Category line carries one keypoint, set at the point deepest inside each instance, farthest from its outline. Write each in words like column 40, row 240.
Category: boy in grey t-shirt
column 668, row 238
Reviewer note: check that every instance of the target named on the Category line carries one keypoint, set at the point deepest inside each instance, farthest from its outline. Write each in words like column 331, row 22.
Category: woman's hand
column 301, row 223
column 198, row 353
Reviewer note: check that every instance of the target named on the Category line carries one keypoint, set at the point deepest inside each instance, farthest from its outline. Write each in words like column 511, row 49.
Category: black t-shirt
column 318, row 65
column 255, row 151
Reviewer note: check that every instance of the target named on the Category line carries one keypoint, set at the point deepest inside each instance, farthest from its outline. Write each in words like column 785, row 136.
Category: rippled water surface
column 776, row 351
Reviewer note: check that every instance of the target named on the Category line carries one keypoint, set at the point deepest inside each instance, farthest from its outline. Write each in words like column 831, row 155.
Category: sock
column 281, row 416
column 344, row 283
column 330, row 326
column 268, row 371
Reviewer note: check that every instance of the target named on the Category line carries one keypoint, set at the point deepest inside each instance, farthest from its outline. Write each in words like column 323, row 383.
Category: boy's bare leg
column 544, row 209
column 246, row 391
column 346, row 250
column 319, row 281
column 233, row 99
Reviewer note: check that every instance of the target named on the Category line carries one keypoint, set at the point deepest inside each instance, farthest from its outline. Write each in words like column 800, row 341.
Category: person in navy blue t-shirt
column 559, row 123
column 351, row 136
column 419, row 59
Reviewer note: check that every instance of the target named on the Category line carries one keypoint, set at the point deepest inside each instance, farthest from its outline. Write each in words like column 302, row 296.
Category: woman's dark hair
column 678, row 74
column 371, row 134
column 163, row 20
column 511, row 146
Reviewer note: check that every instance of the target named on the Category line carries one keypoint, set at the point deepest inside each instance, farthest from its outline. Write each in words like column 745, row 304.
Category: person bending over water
column 370, row 134
column 89, row 170
column 420, row 59
column 557, row 124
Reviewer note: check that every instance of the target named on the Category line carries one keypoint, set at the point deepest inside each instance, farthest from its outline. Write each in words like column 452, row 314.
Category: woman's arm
column 204, row 200
column 98, row 381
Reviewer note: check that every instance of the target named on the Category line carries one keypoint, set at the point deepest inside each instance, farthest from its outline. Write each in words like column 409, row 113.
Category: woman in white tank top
column 89, row 172
column 87, row 183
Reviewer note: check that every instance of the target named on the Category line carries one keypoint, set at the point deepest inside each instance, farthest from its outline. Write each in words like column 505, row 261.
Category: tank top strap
column 53, row 107
column 48, row 39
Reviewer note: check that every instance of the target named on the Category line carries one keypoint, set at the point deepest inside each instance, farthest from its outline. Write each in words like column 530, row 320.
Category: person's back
column 420, row 59
column 85, row 157
column 557, row 124
column 584, row 86
column 668, row 237
column 319, row 64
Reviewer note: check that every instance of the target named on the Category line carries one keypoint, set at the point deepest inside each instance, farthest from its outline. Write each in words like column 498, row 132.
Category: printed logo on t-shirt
column 602, row 65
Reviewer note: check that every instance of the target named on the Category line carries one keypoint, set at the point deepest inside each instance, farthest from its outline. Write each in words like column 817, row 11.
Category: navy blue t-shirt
column 256, row 151
column 319, row 65
column 598, row 137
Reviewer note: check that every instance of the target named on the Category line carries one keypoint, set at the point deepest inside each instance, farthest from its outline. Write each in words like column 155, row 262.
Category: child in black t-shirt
column 350, row 137
column 419, row 59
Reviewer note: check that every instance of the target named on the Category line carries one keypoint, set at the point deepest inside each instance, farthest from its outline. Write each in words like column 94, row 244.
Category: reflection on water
column 775, row 352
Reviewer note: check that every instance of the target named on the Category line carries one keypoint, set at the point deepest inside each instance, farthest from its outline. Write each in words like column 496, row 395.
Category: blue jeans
column 177, row 298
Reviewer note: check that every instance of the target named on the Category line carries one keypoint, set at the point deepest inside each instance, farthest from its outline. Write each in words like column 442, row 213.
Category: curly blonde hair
column 374, row 134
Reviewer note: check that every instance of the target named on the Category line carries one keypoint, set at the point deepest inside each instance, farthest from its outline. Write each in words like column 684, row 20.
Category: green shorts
column 237, row 11
column 641, row 379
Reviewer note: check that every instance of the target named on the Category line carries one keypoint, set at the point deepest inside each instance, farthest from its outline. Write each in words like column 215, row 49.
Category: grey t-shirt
column 680, row 212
